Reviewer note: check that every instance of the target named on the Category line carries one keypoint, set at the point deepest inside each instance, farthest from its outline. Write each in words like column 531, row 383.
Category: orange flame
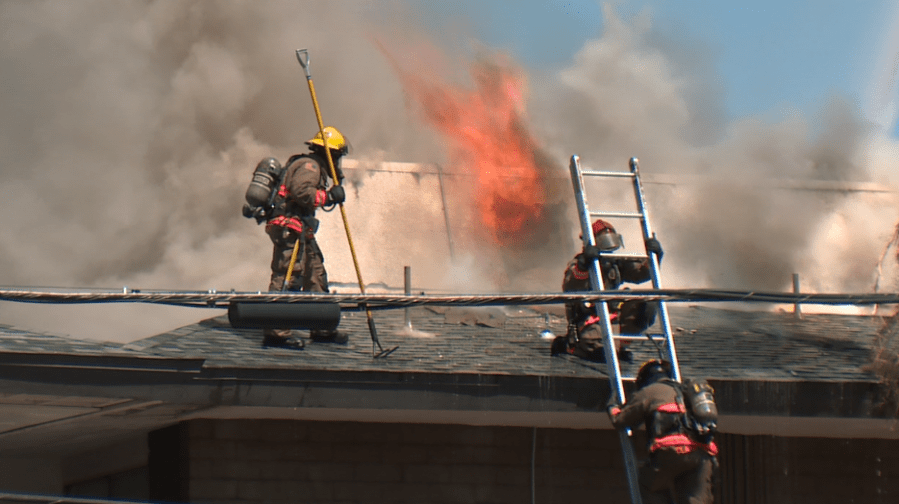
column 485, row 128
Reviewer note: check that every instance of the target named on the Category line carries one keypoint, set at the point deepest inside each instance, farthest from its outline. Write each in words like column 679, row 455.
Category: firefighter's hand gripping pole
column 303, row 57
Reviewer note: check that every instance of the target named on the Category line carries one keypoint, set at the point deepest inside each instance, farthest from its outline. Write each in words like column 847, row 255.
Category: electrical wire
column 215, row 299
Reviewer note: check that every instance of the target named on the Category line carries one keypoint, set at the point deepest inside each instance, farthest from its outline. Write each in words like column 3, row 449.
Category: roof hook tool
column 303, row 57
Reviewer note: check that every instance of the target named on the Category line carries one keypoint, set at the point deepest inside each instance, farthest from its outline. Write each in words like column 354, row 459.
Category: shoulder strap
column 682, row 402
column 293, row 158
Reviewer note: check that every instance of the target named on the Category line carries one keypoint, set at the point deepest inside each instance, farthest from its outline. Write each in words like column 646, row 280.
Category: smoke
column 735, row 219
column 130, row 130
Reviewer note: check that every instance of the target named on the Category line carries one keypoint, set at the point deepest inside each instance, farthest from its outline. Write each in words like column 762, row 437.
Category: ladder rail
column 654, row 268
column 602, row 311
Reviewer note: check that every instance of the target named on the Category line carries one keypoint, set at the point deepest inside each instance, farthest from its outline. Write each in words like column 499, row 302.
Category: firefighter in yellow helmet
column 306, row 185
column 584, row 337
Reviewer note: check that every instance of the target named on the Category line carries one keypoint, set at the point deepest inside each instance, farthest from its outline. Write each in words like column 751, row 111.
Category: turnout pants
column 682, row 478
column 631, row 317
column 309, row 273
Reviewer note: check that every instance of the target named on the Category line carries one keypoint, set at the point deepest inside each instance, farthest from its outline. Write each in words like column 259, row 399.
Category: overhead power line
column 215, row 299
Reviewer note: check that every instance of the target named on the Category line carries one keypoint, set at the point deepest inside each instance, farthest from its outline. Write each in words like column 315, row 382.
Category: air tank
column 702, row 401
column 265, row 179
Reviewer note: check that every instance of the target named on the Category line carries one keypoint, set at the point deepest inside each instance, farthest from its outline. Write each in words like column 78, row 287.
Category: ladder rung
column 623, row 256
column 632, row 215
column 598, row 173
column 638, row 337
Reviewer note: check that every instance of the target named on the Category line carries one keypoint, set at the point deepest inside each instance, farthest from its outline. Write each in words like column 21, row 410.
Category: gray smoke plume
column 735, row 219
column 130, row 130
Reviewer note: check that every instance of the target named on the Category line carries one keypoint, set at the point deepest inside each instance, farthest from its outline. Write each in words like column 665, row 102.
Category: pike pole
column 303, row 58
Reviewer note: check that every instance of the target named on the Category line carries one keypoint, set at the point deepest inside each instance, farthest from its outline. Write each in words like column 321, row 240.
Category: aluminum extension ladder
column 602, row 309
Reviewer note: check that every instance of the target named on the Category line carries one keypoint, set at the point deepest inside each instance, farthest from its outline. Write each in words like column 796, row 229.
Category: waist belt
column 293, row 223
column 682, row 444
column 671, row 408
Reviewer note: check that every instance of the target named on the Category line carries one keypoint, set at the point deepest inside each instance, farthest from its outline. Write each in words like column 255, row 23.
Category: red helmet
column 600, row 225
column 607, row 238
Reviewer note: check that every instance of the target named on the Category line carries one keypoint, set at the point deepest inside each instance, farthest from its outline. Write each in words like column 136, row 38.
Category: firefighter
column 584, row 337
column 680, row 467
column 304, row 188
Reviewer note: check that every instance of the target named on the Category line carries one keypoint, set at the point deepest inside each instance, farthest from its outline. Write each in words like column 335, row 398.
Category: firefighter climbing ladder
column 602, row 309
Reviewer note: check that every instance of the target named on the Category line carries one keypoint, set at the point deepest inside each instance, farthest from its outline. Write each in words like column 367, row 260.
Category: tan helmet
column 333, row 138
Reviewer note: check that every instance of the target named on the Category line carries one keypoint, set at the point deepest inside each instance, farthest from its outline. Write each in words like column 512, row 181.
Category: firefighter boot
column 559, row 346
column 281, row 338
column 333, row 336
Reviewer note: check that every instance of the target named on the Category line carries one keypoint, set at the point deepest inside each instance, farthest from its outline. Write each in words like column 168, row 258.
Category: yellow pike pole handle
column 303, row 57
column 293, row 261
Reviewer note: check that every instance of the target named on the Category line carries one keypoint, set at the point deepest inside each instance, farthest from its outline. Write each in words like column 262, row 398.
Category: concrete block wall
column 273, row 461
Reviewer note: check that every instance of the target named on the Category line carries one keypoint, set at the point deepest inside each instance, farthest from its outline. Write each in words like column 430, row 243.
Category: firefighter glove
column 612, row 407
column 591, row 252
column 653, row 246
column 336, row 195
column 613, row 411
column 248, row 210
column 586, row 258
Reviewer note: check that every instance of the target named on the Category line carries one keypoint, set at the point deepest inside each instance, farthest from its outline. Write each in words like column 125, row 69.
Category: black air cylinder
column 702, row 402
column 267, row 174
column 313, row 315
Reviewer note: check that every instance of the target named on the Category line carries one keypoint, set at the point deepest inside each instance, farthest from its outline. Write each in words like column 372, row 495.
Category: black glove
column 653, row 246
column 336, row 195
column 248, row 211
column 586, row 258
column 591, row 252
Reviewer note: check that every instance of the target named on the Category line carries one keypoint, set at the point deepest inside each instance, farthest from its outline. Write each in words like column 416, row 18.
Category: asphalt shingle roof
column 475, row 359
column 711, row 342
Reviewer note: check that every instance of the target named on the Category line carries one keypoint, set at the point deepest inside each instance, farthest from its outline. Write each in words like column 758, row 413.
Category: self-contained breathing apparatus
column 264, row 200
column 694, row 412
column 262, row 192
column 702, row 412
column 697, row 415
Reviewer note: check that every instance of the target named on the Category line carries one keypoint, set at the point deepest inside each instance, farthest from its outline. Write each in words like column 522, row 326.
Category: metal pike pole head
column 303, row 58
column 375, row 342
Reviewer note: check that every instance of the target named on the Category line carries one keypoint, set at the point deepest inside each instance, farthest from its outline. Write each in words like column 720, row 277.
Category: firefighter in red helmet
column 680, row 466
column 584, row 337
column 305, row 188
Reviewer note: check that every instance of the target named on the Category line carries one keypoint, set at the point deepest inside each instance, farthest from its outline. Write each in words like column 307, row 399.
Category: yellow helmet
column 335, row 140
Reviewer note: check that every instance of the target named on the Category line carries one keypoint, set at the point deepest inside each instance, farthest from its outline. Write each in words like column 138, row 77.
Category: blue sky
column 769, row 54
